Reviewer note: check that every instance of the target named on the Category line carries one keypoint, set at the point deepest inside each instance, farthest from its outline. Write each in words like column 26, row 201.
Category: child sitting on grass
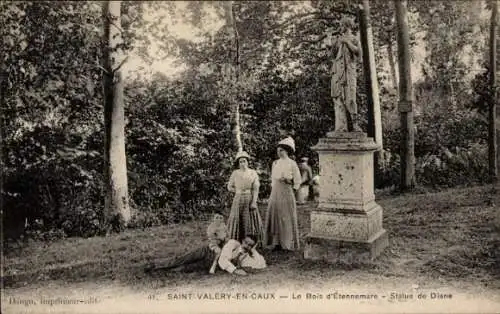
column 217, row 236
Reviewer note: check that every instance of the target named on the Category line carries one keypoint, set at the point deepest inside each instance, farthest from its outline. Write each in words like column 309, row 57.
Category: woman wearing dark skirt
column 281, row 226
column 244, row 217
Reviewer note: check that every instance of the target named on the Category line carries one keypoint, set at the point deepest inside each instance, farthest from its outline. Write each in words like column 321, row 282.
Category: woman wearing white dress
column 281, row 225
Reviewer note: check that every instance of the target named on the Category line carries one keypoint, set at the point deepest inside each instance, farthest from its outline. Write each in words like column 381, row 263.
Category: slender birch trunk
column 117, row 210
column 236, row 82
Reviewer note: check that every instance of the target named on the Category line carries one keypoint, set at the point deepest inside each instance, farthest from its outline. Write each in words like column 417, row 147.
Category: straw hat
column 241, row 154
column 288, row 142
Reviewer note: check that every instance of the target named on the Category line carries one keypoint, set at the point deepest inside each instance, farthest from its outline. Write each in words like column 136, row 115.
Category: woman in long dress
column 244, row 218
column 281, row 227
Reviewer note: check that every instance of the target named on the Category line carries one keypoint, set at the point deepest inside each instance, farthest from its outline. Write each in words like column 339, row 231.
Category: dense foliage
column 179, row 138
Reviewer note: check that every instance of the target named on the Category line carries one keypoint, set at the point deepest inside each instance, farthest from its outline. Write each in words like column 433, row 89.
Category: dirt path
column 261, row 293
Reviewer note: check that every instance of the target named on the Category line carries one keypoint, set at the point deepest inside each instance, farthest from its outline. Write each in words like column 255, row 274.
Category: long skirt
column 243, row 221
column 281, row 218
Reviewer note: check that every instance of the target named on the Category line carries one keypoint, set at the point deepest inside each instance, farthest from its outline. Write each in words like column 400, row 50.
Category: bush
column 50, row 186
column 83, row 221
column 145, row 220
column 450, row 148
column 454, row 168
column 388, row 175
column 46, row 236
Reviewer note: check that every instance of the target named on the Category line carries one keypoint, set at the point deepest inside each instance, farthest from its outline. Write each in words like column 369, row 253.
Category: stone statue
column 343, row 85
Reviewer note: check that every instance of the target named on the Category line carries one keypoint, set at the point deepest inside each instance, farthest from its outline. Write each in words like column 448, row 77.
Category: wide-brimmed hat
column 241, row 154
column 288, row 142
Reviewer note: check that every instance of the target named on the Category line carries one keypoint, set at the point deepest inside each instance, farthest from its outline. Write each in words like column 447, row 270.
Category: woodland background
column 179, row 128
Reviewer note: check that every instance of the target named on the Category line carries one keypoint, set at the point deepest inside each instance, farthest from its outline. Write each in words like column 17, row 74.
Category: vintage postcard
column 249, row 156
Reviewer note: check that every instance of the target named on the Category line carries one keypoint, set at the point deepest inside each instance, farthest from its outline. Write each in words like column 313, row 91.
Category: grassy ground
column 441, row 239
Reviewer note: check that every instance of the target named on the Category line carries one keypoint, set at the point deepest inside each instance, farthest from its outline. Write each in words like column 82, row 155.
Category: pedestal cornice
column 346, row 142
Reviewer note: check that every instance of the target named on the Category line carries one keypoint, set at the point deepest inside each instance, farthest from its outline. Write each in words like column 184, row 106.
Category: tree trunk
column 494, row 129
column 405, row 97
column 392, row 65
column 371, row 82
column 117, row 210
column 3, row 88
column 492, row 136
column 235, row 82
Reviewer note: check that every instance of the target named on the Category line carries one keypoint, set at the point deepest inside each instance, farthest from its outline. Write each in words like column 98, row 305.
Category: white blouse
column 288, row 169
column 243, row 181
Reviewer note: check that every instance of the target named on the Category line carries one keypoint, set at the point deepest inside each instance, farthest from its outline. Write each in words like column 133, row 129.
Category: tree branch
column 319, row 15
column 237, row 42
column 112, row 22
column 293, row 18
column 100, row 67
column 249, row 52
column 314, row 41
column 120, row 65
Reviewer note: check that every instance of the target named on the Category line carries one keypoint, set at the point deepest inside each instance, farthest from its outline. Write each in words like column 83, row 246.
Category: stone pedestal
column 347, row 224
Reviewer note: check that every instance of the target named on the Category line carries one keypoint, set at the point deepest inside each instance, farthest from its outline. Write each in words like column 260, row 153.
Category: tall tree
column 371, row 81
column 3, row 87
column 392, row 64
column 405, row 96
column 382, row 22
column 492, row 132
column 234, row 76
column 115, row 162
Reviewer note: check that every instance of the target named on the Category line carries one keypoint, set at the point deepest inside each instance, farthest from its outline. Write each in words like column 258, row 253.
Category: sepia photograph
column 323, row 156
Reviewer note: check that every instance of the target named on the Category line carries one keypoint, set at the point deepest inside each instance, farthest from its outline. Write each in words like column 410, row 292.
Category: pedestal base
column 344, row 224
column 334, row 251
column 347, row 224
